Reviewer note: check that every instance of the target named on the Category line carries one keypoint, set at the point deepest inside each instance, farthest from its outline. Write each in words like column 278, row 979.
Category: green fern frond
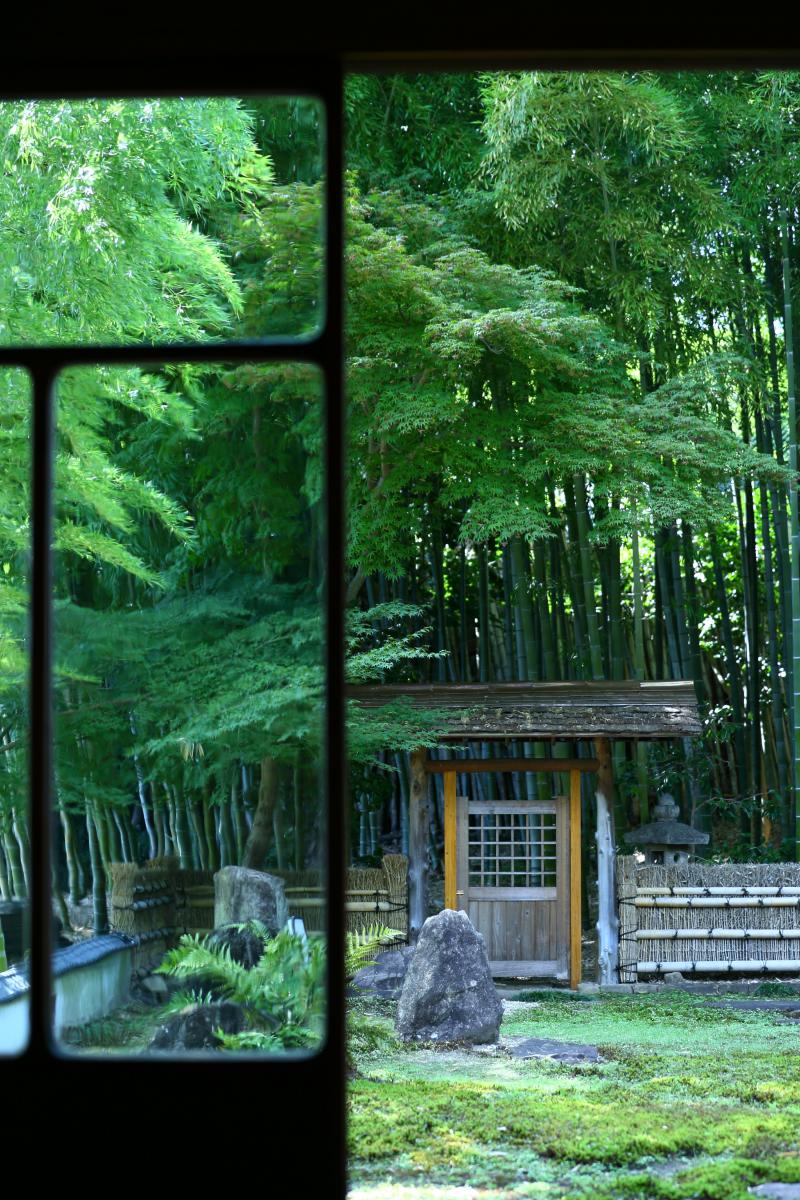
column 361, row 946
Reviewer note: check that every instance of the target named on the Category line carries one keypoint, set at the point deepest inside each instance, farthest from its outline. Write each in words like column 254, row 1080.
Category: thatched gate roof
column 548, row 711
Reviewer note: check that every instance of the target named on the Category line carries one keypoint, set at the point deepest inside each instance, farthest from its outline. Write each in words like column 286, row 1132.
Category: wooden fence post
column 418, row 826
column 628, row 918
column 607, row 919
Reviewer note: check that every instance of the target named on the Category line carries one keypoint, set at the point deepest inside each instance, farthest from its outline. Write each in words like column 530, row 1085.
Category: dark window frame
column 305, row 1096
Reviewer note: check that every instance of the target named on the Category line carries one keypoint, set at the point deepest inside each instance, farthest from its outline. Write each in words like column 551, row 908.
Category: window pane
column 164, row 221
column 188, row 693
column 15, row 499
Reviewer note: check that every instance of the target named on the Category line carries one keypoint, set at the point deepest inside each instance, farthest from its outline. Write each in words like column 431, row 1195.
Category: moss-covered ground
column 691, row 1101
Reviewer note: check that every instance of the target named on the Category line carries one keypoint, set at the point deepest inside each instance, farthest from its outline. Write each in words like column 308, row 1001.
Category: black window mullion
column 320, row 1080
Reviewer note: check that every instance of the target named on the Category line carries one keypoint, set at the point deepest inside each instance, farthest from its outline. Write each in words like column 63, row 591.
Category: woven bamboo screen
column 708, row 918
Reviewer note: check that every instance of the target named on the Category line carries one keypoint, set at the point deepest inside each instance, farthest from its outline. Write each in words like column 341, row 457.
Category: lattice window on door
column 512, row 849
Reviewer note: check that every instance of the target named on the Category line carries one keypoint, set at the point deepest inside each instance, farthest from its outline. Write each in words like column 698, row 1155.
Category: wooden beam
column 470, row 766
column 607, row 919
column 574, row 878
column 450, row 839
column 418, row 832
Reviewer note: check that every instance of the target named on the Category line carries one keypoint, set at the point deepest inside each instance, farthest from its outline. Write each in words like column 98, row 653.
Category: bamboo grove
column 572, row 447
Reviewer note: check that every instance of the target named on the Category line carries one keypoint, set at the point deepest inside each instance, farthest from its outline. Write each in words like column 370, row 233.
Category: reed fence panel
column 708, row 918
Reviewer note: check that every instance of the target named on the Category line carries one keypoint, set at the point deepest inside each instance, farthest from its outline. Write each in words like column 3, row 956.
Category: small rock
column 193, row 1027
column 156, row 986
column 244, row 946
column 777, row 1191
column 385, row 976
column 674, row 977
column 439, row 1001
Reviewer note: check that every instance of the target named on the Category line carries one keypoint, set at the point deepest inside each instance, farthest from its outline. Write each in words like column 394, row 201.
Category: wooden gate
column 514, row 867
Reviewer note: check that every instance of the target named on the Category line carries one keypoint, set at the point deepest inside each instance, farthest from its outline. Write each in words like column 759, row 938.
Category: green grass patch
column 692, row 1102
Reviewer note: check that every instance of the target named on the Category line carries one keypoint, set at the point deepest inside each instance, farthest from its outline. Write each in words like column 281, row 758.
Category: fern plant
column 282, row 994
column 361, row 946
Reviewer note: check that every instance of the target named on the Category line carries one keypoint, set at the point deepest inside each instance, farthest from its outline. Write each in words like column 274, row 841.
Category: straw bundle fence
column 708, row 918
column 373, row 895
column 143, row 907
column 156, row 903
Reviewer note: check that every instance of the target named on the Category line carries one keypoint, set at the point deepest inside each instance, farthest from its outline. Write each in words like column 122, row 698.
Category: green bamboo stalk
column 198, row 832
column 639, row 664
column 587, row 575
column 5, row 886
column 788, row 334
column 99, row 908
column 297, row 796
column 181, row 829
column 212, row 849
column 11, row 848
column 71, row 856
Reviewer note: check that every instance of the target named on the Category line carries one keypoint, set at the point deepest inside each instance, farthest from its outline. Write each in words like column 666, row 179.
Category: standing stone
column 448, row 994
column 244, row 895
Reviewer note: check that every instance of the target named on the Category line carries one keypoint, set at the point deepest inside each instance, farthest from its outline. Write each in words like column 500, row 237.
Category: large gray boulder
column 448, row 994
column 386, row 975
column 244, row 895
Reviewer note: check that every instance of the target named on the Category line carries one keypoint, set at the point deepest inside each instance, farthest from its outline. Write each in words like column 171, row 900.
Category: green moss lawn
column 691, row 1101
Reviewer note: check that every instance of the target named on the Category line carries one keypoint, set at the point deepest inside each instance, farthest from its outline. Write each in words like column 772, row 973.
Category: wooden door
column 514, row 867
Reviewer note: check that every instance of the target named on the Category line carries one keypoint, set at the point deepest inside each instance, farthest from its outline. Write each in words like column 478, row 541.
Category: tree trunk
column 260, row 837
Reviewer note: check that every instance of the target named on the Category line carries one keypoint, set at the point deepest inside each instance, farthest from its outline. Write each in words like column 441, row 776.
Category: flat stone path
column 566, row 1052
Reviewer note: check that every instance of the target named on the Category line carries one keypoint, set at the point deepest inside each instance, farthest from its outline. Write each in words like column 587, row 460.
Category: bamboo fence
column 157, row 902
column 708, row 918
column 373, row 896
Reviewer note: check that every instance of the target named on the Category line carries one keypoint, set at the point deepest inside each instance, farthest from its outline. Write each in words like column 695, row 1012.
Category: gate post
column 607, row 919
column 574, row 878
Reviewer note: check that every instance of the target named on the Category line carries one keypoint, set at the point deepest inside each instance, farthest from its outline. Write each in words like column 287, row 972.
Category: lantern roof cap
column 666, row 830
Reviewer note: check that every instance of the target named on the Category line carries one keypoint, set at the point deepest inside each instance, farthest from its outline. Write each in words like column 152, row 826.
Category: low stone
column 588, row 987
column 155, row 986
column 565, row 1052
column 193, row 1027
column 244, row 895
column 244, row 946
column 448, row 994
column 777, row 1191
column 385, row 976
column 673, row 977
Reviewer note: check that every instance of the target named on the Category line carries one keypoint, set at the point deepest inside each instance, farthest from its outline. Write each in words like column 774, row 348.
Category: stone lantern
column 666, row 841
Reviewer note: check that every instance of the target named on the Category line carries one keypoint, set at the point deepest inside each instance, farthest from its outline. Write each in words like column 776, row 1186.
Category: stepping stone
column 777, row 1191
column 566, row 1052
